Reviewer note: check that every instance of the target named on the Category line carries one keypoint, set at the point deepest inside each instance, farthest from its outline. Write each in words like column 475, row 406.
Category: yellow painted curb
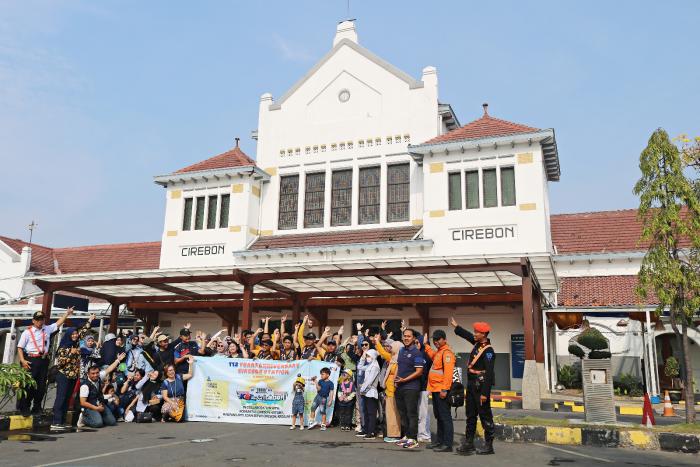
column 17, row 422
column 631, row 410
column 577, row 408
column 498, row 405
column 570, row 403
column 569, row 436
column 639, row 439
column 509, row 393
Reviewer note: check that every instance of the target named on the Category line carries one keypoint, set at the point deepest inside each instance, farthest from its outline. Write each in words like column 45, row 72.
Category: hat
column 331, row 341
column 162, row 338
column 348, row 372
column 185, row 332
column 266, row 342
column 482, row 327
column 38, row 315
column 109, row 337
column 300, row 380
column 310, row 336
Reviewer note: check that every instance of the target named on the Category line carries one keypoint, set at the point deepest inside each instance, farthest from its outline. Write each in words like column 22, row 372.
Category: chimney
column 26, row 258
column 485, row 105
column 238, row 140
column 345, row 30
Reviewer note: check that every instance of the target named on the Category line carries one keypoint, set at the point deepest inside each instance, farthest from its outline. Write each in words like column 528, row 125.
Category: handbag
column 144, row 417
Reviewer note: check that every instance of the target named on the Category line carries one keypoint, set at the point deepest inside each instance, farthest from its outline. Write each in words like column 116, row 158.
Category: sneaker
column 358, row 429
column 424, row 440
column 313, row 425
column 361, row 434
column 369, row 436
column 410, row 444
column 292, row 427
column 402, row 441
column 58, row 427
column 81, row 421
column 390, row 440
column 301, row 427
column 323, row 427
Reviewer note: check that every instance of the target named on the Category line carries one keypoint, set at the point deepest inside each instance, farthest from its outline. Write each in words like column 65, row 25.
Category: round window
column 344, row 95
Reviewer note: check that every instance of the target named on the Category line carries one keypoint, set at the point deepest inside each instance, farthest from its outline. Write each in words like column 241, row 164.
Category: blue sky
column 97, row 97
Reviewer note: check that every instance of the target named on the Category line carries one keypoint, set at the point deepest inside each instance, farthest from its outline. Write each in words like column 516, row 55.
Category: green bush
column 672, row 368
column 569, row 376
column 576, row 350
column 593, row 339
column 599, row 354
column 629, row 385
column 14, row 382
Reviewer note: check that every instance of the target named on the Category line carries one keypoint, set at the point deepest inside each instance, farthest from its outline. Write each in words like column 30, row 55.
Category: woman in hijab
column 368, row 392
column 148, row 400
column 393, row 421
column 89, row 354
column 68, row 364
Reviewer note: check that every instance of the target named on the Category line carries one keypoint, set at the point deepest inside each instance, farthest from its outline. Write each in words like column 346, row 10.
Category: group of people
column 383, row 391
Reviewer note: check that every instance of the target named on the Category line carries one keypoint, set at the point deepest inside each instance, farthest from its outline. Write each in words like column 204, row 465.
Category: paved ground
column 209, row 444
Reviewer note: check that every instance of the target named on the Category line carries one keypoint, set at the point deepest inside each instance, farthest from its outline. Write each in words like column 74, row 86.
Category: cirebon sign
column 494, row 232
column 202, row 250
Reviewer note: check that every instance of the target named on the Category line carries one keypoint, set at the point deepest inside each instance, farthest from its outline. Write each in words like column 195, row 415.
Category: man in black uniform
column 479, row 383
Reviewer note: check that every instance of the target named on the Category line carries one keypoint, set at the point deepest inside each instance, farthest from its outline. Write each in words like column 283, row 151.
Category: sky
column 97, row 97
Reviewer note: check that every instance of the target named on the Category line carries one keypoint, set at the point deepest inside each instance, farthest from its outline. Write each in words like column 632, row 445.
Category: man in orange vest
column 439, row 383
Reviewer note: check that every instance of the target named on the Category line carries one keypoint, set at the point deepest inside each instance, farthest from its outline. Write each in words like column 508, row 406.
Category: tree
column 669, row 209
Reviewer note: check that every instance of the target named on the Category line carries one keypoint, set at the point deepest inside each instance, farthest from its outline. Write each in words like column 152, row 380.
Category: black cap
column 185, row 332
column 331, row 341
column 266, row 342
column 38, row 315
column 310, row 336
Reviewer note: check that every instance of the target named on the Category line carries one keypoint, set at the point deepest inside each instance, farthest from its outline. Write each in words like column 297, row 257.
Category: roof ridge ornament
column 485, row 105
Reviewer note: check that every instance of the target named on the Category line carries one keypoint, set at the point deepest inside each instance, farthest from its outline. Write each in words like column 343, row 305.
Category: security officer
column 479, row 383
column 33, row 350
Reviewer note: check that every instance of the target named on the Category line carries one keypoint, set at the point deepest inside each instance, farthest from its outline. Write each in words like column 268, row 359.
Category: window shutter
column 289, row 202
column 369, row 195
column 211, row 212
column 187, row 215
column 454, row 182
column 223, row 213
column 314, row 199
column 490, row 189
column 199, row 213
column 507, row 186
column 398, row 192
column 471, row 180
column 341, row 197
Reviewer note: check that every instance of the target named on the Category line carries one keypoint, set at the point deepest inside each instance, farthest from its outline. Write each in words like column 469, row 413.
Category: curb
column 16, row 422
column 599, row 437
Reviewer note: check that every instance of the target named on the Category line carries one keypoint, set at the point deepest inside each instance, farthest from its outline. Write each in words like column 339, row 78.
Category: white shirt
column 27, row 343
column 85, row 389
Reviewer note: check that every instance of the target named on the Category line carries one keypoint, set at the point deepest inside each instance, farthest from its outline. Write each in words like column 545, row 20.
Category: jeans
column 407, row 404
column 370, row 415
column 445, row 428
column 423, row 417
column 95, row 419
column 319, row 402
column 64, row 390
column 39, row 368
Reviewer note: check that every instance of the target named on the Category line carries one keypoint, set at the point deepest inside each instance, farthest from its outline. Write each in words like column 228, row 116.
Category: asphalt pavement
column 215, row 444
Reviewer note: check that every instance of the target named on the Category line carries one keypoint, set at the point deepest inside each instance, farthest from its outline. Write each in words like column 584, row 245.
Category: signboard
column 251, row 391
column 493, row 232
column 517, row 355
column 202, row 250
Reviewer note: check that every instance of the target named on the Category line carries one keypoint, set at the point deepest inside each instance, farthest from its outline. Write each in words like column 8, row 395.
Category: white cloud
column 291, row 51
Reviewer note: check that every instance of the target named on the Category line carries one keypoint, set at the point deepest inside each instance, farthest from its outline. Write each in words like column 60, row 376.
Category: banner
column 236, row 390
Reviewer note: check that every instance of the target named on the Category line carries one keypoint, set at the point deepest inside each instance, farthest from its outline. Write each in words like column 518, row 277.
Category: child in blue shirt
column 323, row 399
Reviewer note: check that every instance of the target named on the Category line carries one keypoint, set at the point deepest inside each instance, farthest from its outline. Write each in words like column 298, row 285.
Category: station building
column 368, row 200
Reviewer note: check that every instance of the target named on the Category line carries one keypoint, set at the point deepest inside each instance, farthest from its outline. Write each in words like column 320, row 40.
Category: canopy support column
column 247, row 306
column 424, row 313
column 531, row 373
column 46, row 303
column 114, row 317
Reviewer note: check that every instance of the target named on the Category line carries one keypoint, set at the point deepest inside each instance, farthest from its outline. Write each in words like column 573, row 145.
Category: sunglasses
column 365, row 345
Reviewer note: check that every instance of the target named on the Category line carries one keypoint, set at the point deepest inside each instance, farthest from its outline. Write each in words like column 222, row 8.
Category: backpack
column 455, row 396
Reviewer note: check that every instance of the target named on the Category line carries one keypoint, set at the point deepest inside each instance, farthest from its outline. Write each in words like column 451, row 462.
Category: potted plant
column 672, row 369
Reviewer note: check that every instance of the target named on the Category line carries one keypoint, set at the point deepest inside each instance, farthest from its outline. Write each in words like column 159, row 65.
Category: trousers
column 64, row 390
column 370, row 407
column 39, row 368
column 407, row 404
column 483, row 411
column 443, row 416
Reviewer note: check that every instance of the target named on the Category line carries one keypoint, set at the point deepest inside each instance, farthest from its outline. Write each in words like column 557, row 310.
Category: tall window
column 507, row 186
column 187, row 215
column 223, row 214
column 454, row 191
column 289, row 202
column 471, row 189
column 369, row 195
column 211, row 212
column 398, row 192
column 199, row 213
column 341, row 197
column 490, row 188
column 314, row 199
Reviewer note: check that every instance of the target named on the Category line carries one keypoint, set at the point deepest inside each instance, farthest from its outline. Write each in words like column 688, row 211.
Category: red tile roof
column 340, row 237
column 233, row 158
column 485, row 127
column 42, row 257
column 601, row 291
column 103, row 258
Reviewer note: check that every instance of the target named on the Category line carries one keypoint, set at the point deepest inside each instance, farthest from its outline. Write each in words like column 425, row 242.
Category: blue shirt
column 408, row 360
column 325, row 387
column 175, row 388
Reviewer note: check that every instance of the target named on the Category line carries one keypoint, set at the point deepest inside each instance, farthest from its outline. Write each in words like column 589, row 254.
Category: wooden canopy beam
column 175, row 290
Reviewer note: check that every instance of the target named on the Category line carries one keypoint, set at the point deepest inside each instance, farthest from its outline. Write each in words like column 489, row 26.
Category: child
column 298, row 403
column 346, row 400
column 323, row 399
column 112, row 401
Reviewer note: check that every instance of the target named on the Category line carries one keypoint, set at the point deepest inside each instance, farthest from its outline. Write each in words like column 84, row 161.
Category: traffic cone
column 648, row 413
column 668, row 407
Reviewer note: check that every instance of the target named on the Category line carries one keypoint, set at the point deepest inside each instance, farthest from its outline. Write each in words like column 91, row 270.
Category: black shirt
column 484, row 364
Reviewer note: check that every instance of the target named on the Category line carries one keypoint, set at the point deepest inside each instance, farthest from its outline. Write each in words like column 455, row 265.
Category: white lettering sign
column 483, row 233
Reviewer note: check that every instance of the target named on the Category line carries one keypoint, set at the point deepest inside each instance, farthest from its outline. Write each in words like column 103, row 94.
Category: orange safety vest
column 440, row 374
